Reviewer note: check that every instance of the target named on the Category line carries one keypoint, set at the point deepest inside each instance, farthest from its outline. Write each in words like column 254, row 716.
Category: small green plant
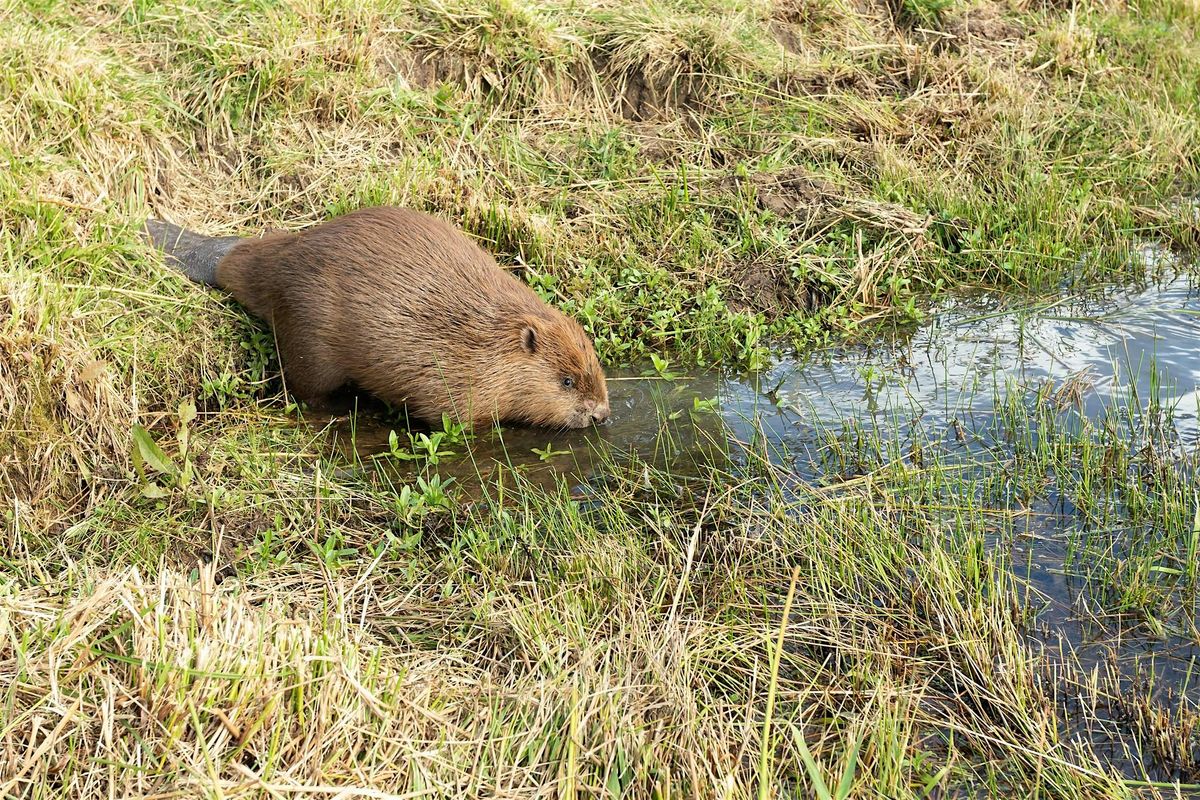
column 821, row 788
column 411, row 508
column 261, row 362
column 223, row 388
column 269, row 546
column 661, row 367
column 548, row 452
column 260, row 354
column 412, row 504
column 927, row 13
column 434, row 491
column 431, row 448
column 332, row 551
column 150, row 460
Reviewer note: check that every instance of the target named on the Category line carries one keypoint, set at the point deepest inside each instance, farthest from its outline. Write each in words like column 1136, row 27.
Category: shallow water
column 945, row 383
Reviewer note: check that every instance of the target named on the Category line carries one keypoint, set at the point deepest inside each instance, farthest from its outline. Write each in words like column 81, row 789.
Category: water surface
column 1123, row 356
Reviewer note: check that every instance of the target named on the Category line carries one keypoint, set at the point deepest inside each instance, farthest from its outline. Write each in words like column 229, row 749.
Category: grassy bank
column 216, row 607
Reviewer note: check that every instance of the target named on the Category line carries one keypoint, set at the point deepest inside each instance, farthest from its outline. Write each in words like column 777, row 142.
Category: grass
column 201, row 597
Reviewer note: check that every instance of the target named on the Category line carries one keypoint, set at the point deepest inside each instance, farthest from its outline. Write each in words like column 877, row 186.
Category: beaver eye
column 568, row 382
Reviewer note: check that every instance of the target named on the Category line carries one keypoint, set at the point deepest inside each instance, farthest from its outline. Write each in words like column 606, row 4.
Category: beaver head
column 550, row 375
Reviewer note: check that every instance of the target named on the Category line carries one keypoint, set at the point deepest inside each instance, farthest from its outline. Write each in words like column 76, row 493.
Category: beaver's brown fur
column 406, row 307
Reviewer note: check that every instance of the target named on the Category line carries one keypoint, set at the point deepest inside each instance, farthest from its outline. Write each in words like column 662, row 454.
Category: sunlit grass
column 227, row 605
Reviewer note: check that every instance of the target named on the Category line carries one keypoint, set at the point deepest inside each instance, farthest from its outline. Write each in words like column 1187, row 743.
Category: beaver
column 405, row 306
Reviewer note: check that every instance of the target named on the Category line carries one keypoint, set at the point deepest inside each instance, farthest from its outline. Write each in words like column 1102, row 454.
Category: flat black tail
column 193, row 254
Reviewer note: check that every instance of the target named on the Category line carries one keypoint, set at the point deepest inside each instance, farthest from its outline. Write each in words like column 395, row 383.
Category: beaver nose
column 600, row 414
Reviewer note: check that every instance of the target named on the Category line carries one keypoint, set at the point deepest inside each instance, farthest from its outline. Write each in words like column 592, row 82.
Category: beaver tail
column 193, row 254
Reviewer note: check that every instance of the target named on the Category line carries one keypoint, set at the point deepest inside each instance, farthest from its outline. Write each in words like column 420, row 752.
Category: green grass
column 241, row 610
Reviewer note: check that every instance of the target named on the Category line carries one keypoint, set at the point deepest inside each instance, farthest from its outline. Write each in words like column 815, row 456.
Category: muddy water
column 944, row 383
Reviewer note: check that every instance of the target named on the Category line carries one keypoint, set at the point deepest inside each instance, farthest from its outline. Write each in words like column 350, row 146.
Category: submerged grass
column 196, row 600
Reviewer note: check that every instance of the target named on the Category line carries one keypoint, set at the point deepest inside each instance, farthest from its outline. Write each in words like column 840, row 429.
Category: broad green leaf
column 151, row 453
column 187, row 413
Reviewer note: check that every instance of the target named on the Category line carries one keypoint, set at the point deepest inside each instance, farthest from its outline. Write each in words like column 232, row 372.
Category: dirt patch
column 858, row 159
column 981, row 28
column 893, row 72
column 636, row 91
column 824, row 81
column 654, row 147
column 422, row 69
column 931, row 120
column 640, row 96
column 894, row 235
column 789, row 36
column 670, row 142
column 798, row 194
column 769, row 287
column 809, row 18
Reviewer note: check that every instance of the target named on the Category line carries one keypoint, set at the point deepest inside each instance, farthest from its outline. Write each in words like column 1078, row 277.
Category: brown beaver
column 404, row 306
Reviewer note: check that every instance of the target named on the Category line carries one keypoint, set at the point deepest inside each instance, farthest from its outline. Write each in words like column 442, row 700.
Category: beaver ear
column 529, row 338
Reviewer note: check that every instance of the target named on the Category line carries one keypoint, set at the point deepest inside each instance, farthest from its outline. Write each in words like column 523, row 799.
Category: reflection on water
column 948, row 372
column 655, row 418
column 960, row 361
column 928, row 384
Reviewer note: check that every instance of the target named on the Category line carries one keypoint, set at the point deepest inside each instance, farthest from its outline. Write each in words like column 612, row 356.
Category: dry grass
column 523, row 677
column 695, row 180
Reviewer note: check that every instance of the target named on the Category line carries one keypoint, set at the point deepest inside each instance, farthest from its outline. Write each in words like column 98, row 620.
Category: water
column 1130, row 357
